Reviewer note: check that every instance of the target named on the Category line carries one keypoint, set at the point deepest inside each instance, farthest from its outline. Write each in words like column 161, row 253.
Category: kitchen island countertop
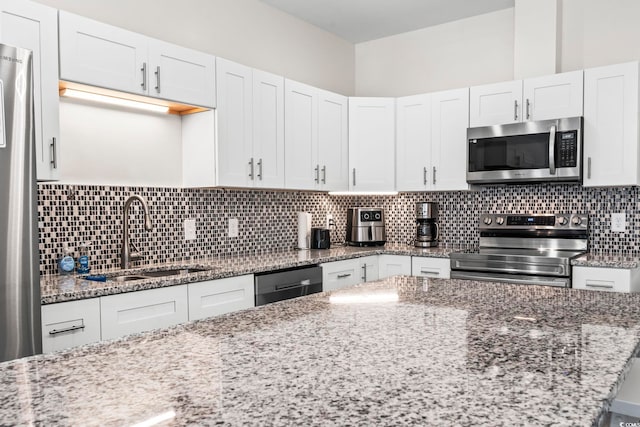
column 403, row 350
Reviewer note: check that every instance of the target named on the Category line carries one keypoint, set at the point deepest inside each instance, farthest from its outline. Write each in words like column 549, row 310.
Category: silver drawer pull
column 590, row 285
column 342, row 276
column 430, row 272
column 69, row 329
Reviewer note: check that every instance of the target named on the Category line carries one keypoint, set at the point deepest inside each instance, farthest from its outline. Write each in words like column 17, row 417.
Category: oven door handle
column 300, row 284
column 552, row 150
column 532, row 280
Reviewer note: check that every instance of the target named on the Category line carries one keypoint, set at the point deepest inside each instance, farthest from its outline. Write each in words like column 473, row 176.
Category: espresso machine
column 427, row 231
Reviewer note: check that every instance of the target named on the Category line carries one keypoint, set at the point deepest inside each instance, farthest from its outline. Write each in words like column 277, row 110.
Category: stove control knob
column 576, row 220
column 563, row 220
column 500, row 220
column 487, row 220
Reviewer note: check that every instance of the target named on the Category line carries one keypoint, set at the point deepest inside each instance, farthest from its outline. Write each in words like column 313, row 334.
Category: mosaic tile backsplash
column 267, row 219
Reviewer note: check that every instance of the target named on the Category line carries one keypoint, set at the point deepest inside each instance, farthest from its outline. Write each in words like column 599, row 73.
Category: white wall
column 246, row 31
column 112, row 146
column 457, row 54
column 599, row 32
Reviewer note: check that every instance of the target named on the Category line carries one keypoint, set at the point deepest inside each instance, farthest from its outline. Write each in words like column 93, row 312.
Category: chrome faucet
column 129, row 252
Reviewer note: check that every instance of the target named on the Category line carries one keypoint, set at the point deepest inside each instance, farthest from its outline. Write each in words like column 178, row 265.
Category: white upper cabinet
column 333, row 141
column 449, row 122
column 496, row 104
column 236, row 166
column 301, row 136
column 549, row 97
column 372, row 144
column 182, row 75
column 611, row 125
column 35, row 27
column 413, row 143
column 268, row 129
column 102, row 55
column 250, row 126
column 553, row 97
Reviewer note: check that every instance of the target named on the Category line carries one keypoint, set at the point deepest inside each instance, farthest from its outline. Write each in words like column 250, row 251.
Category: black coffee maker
column 427, row 231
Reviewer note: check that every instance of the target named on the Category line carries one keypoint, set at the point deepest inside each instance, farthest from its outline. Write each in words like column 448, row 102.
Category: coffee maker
column 427, row 231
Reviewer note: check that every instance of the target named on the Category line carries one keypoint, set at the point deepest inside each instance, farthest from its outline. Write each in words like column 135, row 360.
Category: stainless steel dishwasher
column 285, row 284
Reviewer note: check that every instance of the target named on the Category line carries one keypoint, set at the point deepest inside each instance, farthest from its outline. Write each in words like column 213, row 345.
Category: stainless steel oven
column 529, row 249
column 548, row 150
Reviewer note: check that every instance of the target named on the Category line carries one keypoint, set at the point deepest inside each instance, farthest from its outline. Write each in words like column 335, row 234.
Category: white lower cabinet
column 431, row 267
column 140, row 311
column 215, row 297
column 340, row 274
column 606, row 279
column 369, row 268
column 70, row 324
column 393, row 265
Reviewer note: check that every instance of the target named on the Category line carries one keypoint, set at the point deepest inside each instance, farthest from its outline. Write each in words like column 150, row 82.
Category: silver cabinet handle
column 424, row 175
column 434, row 176
column 324, row 174
column 528, row 105
column 342, row 276
column 588, row 167
column 552, row 150
column 317, row 171
column 430, row 272
column 589, row 285
column 144, row 76
column 251, row 169
column 364, row 272
column 69, row 329
column 54, row 153
column 354, row 177
column 515, row 110
column 157, row 73
column 260, row 169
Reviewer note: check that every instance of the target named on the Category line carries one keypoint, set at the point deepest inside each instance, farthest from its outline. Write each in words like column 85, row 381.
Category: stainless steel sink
column 157, row 273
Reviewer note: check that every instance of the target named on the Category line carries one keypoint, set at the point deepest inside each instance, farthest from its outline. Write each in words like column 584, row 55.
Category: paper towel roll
column 304, row 230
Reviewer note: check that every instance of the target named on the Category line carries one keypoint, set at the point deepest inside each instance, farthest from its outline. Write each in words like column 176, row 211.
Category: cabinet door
column 394, row 265
column 236, row 165
column 495, row 104
column 340, row 274
column 449, row 122
column 431, row 267
column 268, row 129
column 35, row 27
column 199, row 150
column 372, row 144
column 369, row 268
column 553, row 97
column 301, row 136
column 216, row 297
column 182, row 75
column 333, row 141
column 141, row 311
column 102, row 55
column 70, row 324
column 413, row 143
column 611, row 125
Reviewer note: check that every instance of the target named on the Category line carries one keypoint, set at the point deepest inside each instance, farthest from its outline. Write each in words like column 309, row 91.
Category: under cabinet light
column 87, row 96
column 363, row 193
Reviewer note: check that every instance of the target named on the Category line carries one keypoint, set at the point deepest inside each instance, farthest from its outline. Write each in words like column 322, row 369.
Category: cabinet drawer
column 431, row 267
column 340, row 274
column 143, row 310
column 606, row 279
column 216, row 297
column 70, row 324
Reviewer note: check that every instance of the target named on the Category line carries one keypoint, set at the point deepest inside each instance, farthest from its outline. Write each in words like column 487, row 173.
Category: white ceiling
column 362, row 20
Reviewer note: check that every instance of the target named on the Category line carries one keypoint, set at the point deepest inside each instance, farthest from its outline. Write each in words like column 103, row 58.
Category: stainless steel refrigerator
column 20, row 329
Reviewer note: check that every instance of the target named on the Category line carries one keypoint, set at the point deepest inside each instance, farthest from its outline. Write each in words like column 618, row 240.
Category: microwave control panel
column 567, row 149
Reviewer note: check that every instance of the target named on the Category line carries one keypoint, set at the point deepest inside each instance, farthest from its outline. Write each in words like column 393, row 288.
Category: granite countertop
column 607, row 260
column 60, row 289
column 401, row 351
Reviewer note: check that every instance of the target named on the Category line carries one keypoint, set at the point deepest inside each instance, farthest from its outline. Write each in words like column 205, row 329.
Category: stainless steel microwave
column 546, row 150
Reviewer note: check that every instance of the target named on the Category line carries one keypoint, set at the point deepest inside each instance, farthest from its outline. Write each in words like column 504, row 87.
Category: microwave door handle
column 552, row 150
